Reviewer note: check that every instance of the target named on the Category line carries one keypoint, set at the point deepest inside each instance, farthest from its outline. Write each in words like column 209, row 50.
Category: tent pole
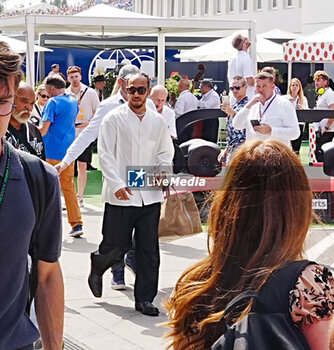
column 161, row 58
column 252, row 39
column 30, row 56
column 289, row 72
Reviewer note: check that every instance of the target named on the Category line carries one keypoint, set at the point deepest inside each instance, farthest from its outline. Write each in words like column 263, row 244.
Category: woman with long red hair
column 257, row 224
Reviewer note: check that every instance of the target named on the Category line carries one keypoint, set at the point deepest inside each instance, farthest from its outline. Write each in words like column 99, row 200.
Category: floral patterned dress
column 313, row 298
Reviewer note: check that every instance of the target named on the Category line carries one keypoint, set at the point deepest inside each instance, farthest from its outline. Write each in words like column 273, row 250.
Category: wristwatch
column 326, row 128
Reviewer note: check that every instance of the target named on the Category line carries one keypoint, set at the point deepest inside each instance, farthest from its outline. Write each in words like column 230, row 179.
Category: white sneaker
column 81, row 202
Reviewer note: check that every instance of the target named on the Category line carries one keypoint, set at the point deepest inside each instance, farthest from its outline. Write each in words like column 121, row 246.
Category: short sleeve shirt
column 313, row 296
column 61, row 111
column 17, row 219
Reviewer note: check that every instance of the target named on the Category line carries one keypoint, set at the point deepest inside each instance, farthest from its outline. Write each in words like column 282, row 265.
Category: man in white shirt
column 268, row 115
column 159, row 96
column 325, row 101
column 207, row 129
column 186, row 101
column 88, row 101
column 210, row 98
column 130, row 138
column 91, row 132
column 241, row 65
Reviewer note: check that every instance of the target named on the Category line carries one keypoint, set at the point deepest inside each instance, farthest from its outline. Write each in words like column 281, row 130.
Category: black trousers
column 324, row 138
column 118, row 224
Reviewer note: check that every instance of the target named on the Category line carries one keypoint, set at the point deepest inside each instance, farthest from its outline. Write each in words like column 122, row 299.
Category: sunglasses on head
column 140, row 89
column 235, row 87
column 44, row 96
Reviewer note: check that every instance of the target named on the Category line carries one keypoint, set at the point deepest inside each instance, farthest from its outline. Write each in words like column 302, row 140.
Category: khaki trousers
column 68, row 188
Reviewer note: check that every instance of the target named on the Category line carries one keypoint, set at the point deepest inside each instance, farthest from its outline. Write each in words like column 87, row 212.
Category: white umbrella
column 222, row 50
column 20, row 46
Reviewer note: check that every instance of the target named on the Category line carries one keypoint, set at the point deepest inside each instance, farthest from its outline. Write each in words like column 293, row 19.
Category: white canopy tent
column 20, row 46
column 279, row 34
column 317, row 47
column 222, row 50
column 162, row 27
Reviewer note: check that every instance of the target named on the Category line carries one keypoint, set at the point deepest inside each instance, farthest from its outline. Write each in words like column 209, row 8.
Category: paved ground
column 111, row 321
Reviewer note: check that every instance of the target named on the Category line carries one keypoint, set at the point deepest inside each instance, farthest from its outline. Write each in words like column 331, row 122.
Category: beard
column 19, row 116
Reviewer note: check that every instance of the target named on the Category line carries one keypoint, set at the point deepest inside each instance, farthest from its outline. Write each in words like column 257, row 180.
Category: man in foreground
column 17, row 220
column 267, row 115
column 131, row 136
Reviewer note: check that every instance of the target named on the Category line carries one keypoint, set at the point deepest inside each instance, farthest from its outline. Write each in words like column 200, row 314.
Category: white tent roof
column 39, row 6
column 102, row 10
column 316, row 47
column 161, row 27
column 222, row 50
column 279, row 34
column 20, row 46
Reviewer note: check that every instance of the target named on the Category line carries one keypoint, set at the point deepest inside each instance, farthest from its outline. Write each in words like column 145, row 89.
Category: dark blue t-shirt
column 61, row 111
column 17, row 219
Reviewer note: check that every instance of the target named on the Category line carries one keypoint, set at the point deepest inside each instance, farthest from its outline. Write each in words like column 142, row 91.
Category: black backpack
column 269, row 324
column 36, row 178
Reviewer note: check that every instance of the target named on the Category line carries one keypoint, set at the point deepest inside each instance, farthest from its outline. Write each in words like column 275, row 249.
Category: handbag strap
column 273, row 296
column 275, row 292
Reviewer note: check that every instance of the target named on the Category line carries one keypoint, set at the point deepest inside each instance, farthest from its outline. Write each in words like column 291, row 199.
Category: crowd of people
column 258, row 220
column 67, row 9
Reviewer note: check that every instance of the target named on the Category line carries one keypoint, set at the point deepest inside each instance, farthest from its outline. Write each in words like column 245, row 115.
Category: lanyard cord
column 5, row 180
column 262, row 114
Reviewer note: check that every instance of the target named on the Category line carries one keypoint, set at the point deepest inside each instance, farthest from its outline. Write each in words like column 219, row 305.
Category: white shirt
column 88, row 102
column 169, row 118
column 242, row 65
column 295, row 102
column 280, row 116
column 186, row 102
column 209, row 100
column 91, row 132
column 126, row 141
column 323, row 102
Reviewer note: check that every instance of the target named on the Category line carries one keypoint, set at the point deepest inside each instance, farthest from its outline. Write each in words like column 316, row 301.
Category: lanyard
column 262, row 114
column 5, row 180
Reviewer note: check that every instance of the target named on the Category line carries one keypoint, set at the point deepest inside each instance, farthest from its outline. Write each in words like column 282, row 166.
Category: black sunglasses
column 236, row 87
column 140, row 89
column 44, row 96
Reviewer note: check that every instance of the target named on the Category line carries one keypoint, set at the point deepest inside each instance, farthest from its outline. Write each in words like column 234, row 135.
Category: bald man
column 159, row 96
column 186, row 101
column 22, row 133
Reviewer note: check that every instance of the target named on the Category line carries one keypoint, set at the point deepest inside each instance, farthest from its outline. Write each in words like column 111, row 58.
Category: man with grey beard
column 21, row 133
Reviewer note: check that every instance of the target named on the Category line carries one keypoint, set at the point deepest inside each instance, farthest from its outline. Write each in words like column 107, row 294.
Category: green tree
column 64, row 3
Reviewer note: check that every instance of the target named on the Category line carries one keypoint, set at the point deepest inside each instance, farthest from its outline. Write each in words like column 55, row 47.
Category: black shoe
column 147, row 308
column 95, row 284
column 99, row 264
column 90, row 167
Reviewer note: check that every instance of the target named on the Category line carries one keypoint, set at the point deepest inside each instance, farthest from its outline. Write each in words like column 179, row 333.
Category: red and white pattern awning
column 308, row 51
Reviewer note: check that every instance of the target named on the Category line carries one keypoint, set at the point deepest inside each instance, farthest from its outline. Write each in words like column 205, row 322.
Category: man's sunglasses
column 44, row 96
column 236, row 87
column 140, row 89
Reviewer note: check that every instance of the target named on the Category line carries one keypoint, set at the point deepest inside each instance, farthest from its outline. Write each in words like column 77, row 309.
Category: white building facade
column 298, row 16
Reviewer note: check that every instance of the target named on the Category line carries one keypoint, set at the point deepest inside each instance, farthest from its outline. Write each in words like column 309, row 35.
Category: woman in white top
column 42, row 97
column 296, row 96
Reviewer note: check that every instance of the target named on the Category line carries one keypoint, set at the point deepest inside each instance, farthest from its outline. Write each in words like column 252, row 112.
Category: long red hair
column 258, row 221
